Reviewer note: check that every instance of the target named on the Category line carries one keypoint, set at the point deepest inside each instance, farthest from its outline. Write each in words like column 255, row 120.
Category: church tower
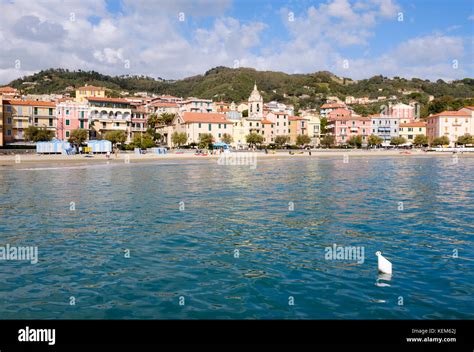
column 255, row 104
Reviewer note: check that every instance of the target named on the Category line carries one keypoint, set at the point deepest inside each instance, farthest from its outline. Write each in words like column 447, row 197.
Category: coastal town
column 145, row 120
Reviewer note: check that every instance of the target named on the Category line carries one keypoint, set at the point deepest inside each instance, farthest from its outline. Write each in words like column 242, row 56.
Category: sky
column 174, row 39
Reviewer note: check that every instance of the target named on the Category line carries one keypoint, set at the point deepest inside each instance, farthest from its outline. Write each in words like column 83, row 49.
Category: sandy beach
column 12, row 159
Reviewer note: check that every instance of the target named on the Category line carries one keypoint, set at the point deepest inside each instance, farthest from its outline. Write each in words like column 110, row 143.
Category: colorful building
column 297, row 126
column 109, row 114
column 280, row 123
column 412, row 129
column 404, row 112
column 451, row 124
column 344, row 124
column 194, row 124
column 85, row 92
column 71, row 116
column 196, row 105
column 18, row 115
column 138, row 120
column 325, row 109
column 314, row 127
column 385, row 127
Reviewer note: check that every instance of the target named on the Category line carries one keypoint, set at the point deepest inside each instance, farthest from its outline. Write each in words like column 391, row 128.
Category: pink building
column 451, row 124
column 71, row 116
column 344, row 124
column 406, row 113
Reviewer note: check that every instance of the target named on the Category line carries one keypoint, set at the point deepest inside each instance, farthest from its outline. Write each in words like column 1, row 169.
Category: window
column 9, row 132
column 67, row 122
column 35, row 111
column 9, row 121
column 225, row 126
column 67, row 133
column 9, row 109
column 210, row 127
column 219, row 127
column 67, row 112
column 199, row 125
column 219, row 135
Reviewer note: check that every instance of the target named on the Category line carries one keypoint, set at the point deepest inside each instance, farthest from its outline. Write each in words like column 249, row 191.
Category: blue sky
column 357, row 39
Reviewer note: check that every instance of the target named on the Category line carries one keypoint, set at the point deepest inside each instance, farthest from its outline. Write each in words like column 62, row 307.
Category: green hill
column 222, row 83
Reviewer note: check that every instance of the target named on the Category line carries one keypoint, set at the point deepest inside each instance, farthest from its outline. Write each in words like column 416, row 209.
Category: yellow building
column 18, row 115
column 85, row 92
column 110, row 114
column 412, row 129
column 297, row 126
column 314, row 127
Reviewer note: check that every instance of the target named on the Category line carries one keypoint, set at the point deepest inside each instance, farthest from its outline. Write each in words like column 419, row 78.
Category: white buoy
column 384, row 265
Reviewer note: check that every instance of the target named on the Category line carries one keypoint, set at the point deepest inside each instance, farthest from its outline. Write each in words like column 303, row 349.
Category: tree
column 443, row 140
column 466, row 139
column 206, row 140
column 328, row 140
column 227, row 138
column 116, row 137
column 143, row 141
column 303, row 139
column 254, row 138
column 245, row 113
column 179, row 138
column 374, row 140
column 355, row 141
column 166, row 118
column 152, row 121
column 78, row 137
column 38, row 134
column 281, row 140
column 324, row 123
column 398, row 141
column 420, row 140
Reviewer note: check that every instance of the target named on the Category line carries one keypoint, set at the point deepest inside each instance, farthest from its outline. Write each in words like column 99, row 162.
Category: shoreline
column 10, row 160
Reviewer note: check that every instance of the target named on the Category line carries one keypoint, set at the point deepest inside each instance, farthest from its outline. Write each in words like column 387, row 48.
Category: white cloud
column 150, row 37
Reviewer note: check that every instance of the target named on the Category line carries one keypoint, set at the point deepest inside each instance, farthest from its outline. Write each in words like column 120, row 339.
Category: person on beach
column 107, row 155
column 116, row 153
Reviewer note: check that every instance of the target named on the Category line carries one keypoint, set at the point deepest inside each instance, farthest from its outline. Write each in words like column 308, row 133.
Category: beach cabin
column 54, row 147
column 100, row 146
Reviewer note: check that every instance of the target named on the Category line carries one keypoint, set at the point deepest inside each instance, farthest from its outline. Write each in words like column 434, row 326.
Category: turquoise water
column 190, row 253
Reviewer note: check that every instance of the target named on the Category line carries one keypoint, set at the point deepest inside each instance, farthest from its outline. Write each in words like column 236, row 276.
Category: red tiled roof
column 109, row 100
column 266, row 122
column 30, row 103
column 413, row 124
column 193, row 117
column 451, row 113
column 8, row 89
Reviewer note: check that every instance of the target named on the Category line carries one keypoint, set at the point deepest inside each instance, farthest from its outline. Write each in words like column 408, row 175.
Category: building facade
column 451, row 124
column 194, row 124
column 109, row 114
column 18, row 115
column 71, row 116
column 85, row 92
column 385, row 127
column 410, row 130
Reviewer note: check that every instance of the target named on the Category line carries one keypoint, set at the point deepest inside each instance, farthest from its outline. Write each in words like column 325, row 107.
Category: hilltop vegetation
column 227, row 84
